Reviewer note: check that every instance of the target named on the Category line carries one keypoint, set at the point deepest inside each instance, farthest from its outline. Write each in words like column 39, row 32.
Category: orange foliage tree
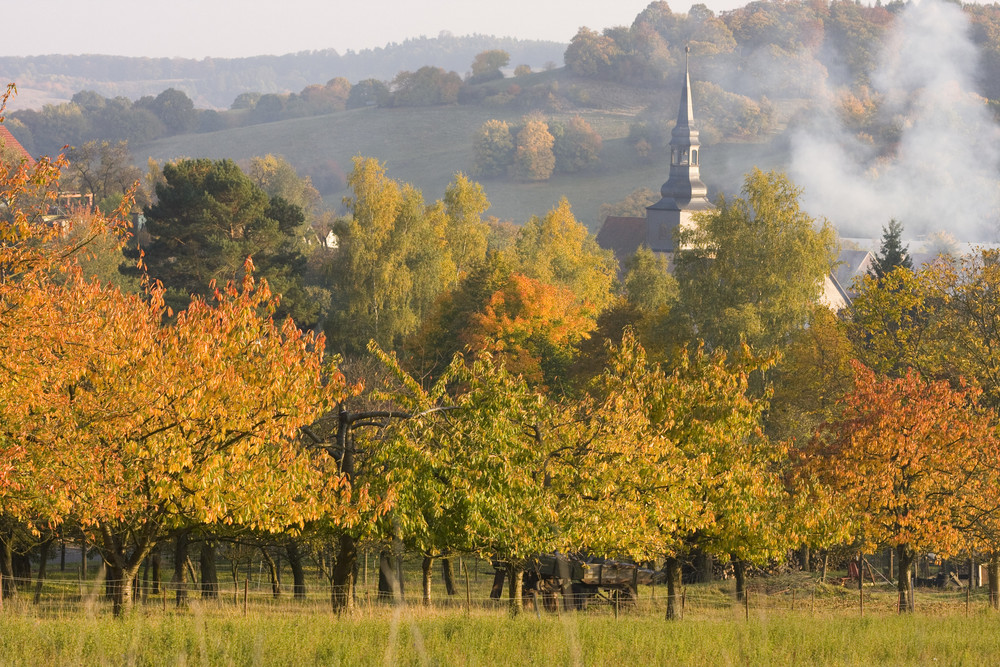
column 120, row 421
column 899, row 462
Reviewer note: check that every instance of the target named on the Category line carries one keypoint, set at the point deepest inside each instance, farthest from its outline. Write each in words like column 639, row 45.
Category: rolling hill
column 425, row 146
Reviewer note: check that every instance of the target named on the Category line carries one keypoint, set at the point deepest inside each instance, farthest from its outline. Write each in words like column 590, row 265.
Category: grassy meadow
column 426, row 146
column 790, row 620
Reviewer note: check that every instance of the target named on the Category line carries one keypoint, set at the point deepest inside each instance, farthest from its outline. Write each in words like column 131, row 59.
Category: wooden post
column 246, row 595
column 616, row 606
column 861, row 597
column 1, row 591
column 163, row 589
column 793, row 599
column 968, row 596
column 812, row 605
column 538, row 612
column 746, row 603
column 468, row 592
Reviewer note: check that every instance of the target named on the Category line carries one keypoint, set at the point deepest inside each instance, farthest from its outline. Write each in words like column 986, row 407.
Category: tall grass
column 290, row 633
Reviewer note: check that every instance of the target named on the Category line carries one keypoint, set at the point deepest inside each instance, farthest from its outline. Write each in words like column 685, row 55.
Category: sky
column 237, row 28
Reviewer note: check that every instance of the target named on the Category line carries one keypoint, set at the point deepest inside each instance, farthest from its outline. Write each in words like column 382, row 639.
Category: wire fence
column 65, row 596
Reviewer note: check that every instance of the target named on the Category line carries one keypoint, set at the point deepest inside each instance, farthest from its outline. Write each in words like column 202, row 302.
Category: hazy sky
column 233, row 28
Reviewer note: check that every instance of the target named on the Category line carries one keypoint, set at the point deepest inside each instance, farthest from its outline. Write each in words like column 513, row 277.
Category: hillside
column 215, row 82
column 425, row 146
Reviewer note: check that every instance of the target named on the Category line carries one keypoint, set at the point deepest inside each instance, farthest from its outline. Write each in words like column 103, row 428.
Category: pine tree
column 892, row 252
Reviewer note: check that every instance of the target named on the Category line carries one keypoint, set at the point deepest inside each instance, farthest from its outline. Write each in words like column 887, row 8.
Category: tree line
column 492, row 389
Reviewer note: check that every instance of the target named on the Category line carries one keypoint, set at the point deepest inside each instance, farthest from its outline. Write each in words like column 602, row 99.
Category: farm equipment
column 580, row 579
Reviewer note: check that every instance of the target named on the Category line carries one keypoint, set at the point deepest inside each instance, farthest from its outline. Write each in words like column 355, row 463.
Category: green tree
column 174, row 108
column 208, row 219
column 428, row 86
column 392, row 262
column 493, row 149
column 104, row 170
column 487, row 64
column 368, row 93
column 752, row 269
column 465, row 203
column 891, row 252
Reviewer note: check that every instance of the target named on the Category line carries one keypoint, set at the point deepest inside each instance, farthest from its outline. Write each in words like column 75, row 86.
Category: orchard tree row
column 497, row 389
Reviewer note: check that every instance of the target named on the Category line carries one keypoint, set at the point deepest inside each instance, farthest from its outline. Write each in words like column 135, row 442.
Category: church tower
column 683, row 194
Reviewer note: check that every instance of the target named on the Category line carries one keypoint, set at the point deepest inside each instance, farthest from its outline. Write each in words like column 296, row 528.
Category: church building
column 683, row 195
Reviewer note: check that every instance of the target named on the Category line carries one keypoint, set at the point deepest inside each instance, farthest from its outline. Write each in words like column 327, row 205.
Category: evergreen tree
column 208, row 218
column 892, row 252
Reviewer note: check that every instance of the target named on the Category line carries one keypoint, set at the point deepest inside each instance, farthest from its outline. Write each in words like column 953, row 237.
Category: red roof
column 8, row 141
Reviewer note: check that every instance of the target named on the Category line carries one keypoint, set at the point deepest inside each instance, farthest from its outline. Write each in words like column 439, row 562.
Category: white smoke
column 945, row 174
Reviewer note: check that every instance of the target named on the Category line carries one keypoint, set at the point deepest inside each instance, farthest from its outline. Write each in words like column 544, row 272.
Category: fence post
column 246, row 595
column 746, row 603
column 793, row 599
column 468, row 592
column 1, row 591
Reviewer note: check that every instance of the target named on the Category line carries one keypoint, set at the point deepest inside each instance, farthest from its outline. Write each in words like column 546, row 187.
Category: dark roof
column 622, row 235
column 7, row 140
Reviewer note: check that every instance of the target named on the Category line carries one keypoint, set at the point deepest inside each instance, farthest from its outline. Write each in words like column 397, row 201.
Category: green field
column 789, row 620
column 425, row 146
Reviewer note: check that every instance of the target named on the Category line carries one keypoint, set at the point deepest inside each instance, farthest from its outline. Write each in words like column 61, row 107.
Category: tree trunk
column 7, row 565
column 298, row 573
column 705, row 565
column 673, row 569
column 499, row 574
column 44, row 559
column 342, row 583
column 209, row 575
column 448, row 574
column 740, row 573
column 427, row 569
column 514, row 589
column 904, row 584
column 993, row 579
column 387, row 581
column 805, row 557
column 180, row 574
column 155, row 562
column 272, row 571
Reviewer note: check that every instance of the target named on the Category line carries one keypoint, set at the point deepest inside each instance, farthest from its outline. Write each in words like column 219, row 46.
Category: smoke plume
column 944, row 173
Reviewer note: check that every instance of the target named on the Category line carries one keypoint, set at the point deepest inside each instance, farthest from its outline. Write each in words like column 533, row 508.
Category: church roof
column 8, row 141
column 622, row 235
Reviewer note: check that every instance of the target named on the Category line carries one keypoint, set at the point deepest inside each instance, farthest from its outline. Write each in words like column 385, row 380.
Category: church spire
column 683, row 193
column 684, row 183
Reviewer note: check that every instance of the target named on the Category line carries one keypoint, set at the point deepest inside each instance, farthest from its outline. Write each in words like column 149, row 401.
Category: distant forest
column 216, row 82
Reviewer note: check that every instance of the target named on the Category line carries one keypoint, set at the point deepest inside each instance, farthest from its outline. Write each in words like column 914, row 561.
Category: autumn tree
column 576, row 145
column 533, row 156
column 428, row 86
column 591, row 54
column 897, row 463
column 556, row 248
